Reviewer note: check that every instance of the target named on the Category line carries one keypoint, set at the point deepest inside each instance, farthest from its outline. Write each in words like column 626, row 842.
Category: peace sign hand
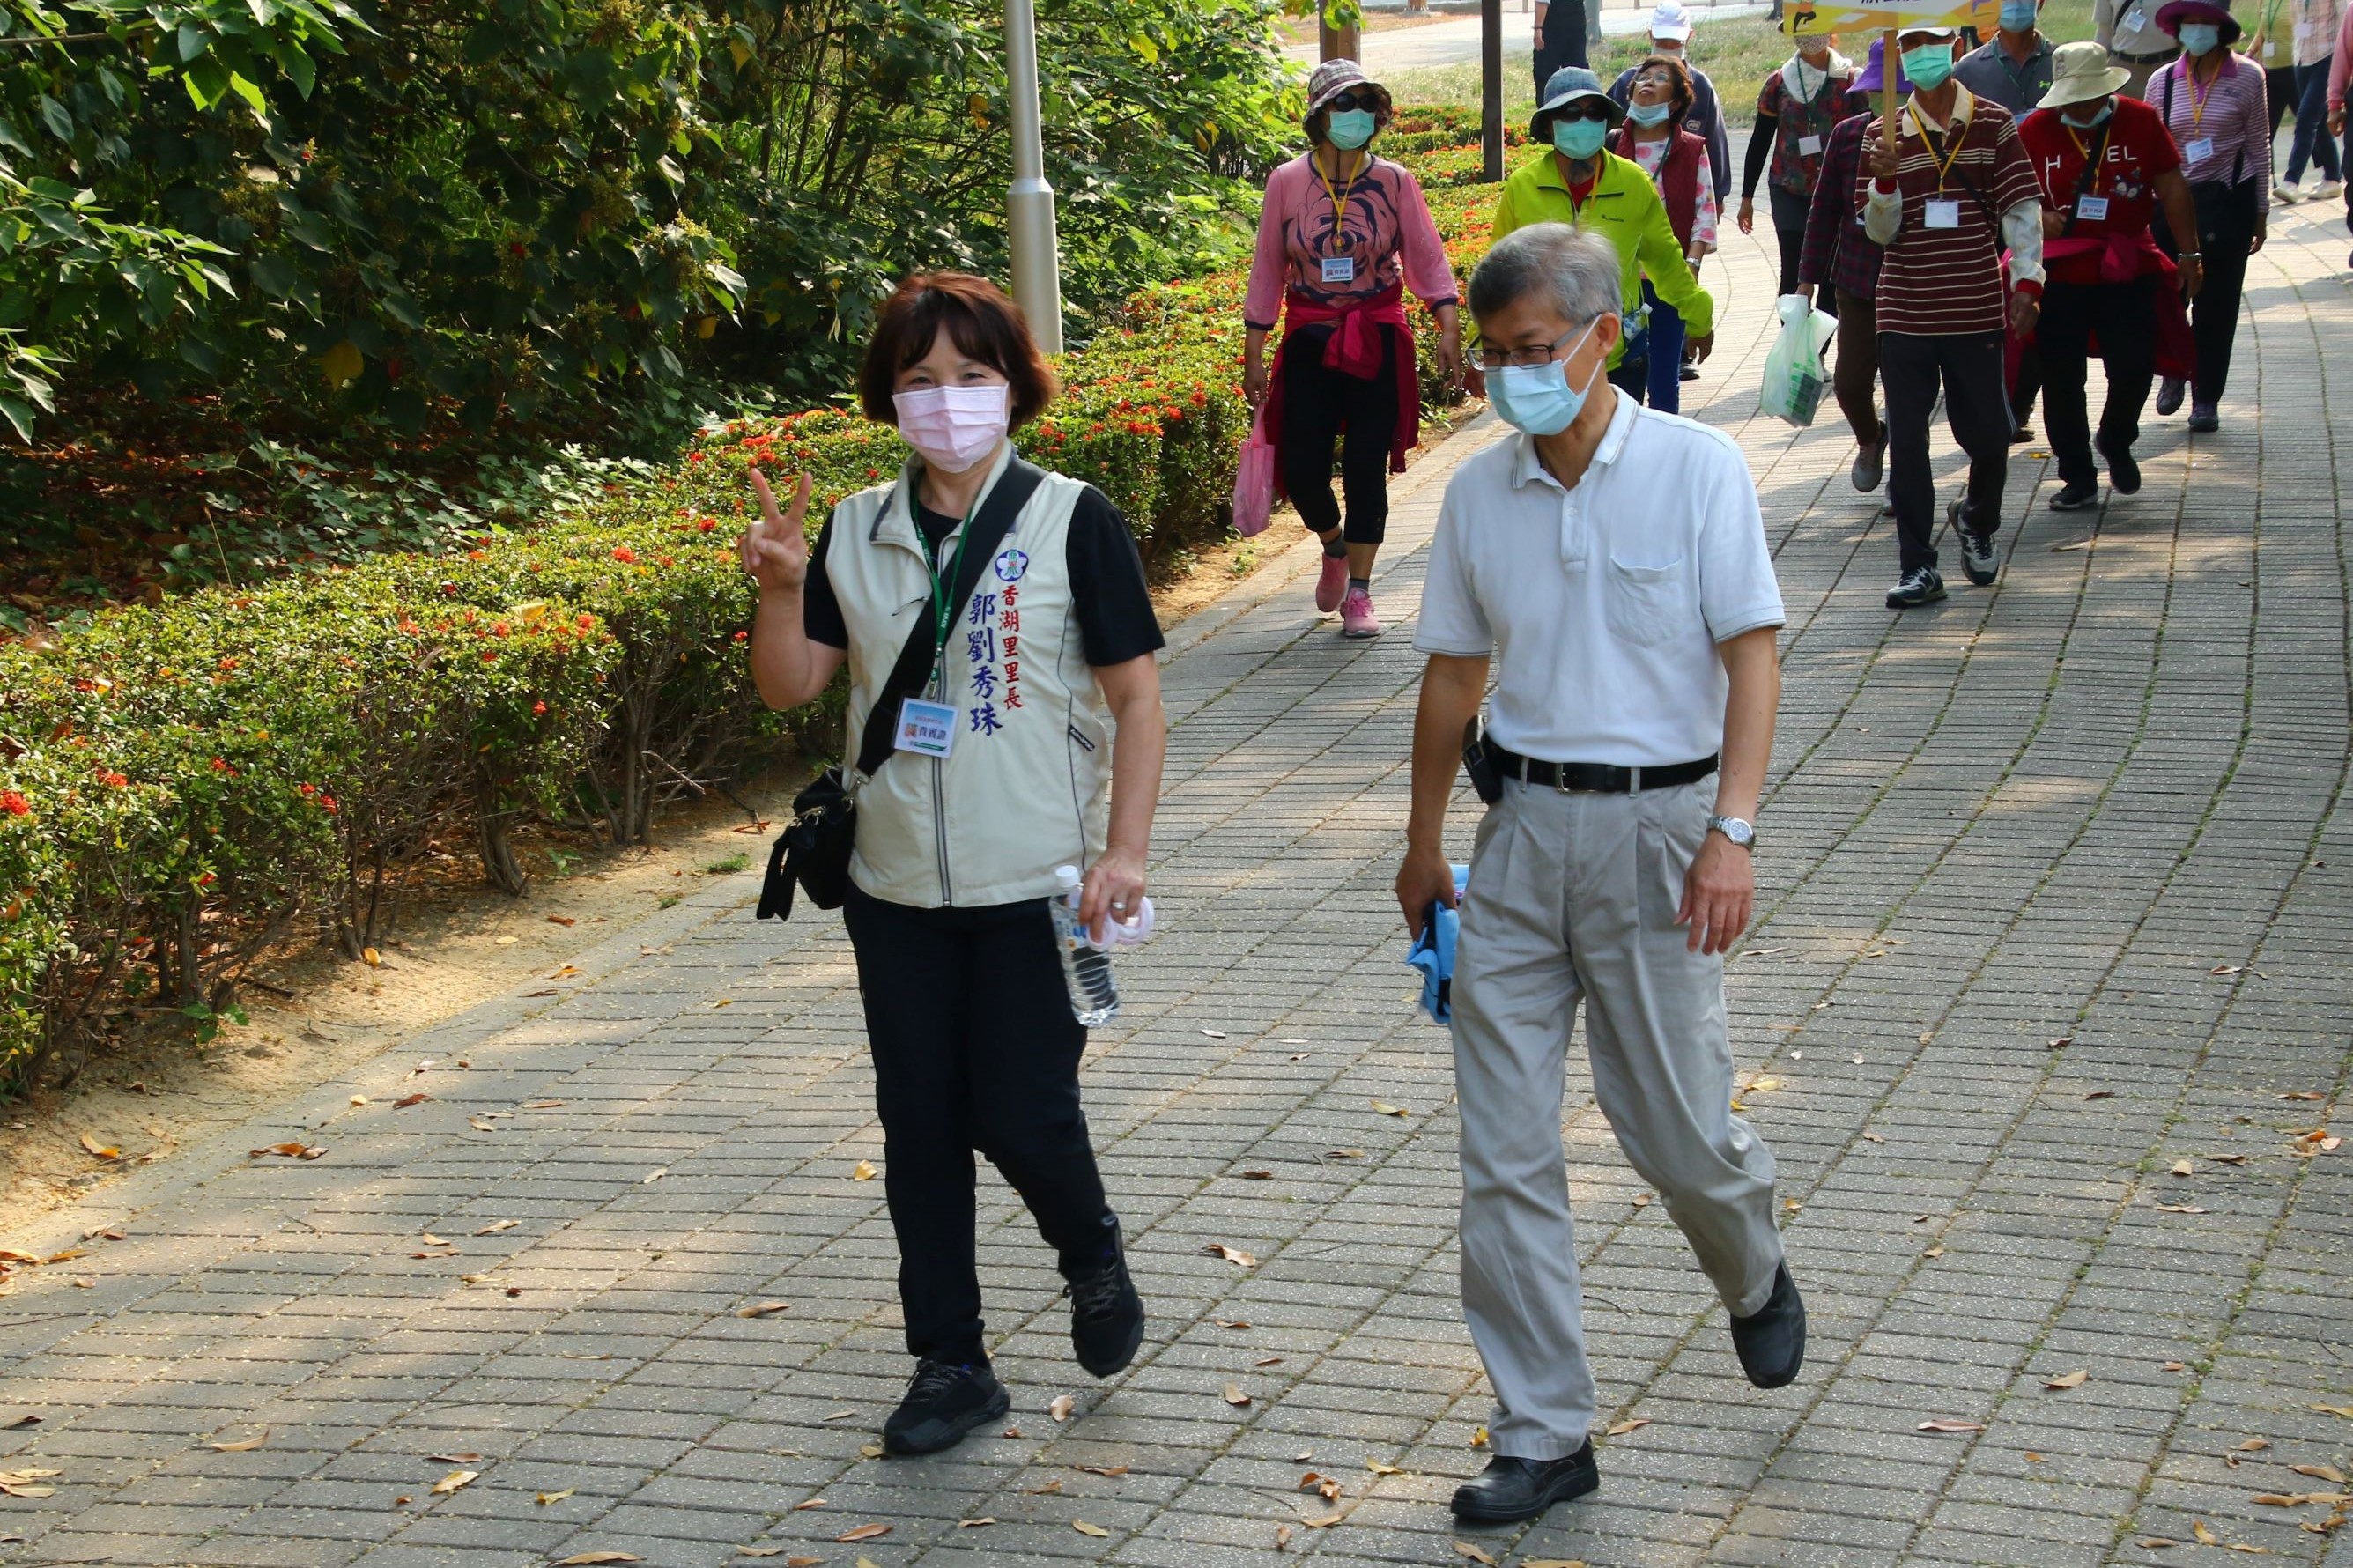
column 774, row 549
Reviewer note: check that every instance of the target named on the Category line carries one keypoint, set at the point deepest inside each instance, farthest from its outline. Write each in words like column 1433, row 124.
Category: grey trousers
column 1573, row 897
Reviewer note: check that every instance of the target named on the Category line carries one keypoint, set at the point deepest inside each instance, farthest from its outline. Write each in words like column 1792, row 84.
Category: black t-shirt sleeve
column 821, row 619
column 1108, row 594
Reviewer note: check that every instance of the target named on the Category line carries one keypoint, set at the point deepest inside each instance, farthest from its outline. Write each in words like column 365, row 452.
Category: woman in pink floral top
column 1341, row 236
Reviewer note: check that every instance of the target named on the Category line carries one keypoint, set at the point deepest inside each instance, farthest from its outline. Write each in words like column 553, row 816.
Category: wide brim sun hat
column 1566, row 86
column 2171, row 15
column 2080, row 73
column 1334, row 78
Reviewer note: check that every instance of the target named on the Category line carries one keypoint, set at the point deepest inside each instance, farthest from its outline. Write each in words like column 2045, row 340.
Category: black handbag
column 813, row 851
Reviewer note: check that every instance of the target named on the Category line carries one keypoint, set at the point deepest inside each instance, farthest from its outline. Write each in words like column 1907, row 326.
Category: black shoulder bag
column 813, row 851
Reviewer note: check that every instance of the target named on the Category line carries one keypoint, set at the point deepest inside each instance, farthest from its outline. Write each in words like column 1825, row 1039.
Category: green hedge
column 183, row 785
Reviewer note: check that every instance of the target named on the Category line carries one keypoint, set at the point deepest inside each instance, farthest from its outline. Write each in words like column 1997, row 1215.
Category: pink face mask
column 953, row 427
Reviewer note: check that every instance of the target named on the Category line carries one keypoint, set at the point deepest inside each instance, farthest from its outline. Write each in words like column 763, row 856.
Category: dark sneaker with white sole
column 2124, row 471
column 1870, row 464
column 1512, row 1490
column 1977, row 558
column 1771, row 1341
column 1106, row 1313
column 945, row 1401
column 1920, row 586
column 2075, row 498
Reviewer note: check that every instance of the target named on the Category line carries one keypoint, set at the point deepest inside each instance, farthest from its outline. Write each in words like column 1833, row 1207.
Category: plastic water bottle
column 1086, row 968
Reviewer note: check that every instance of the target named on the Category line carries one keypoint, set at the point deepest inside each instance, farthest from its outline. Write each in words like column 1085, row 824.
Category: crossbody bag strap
column 2084, row 180
column 986, row 529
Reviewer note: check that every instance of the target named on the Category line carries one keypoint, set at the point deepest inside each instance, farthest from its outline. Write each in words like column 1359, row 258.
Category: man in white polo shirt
column 1611, row 559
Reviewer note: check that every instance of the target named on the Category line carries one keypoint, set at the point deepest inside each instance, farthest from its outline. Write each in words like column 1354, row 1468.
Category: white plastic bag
column 1795, row 379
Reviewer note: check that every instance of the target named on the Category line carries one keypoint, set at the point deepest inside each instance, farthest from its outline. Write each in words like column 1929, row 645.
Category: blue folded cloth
column 1433, row 954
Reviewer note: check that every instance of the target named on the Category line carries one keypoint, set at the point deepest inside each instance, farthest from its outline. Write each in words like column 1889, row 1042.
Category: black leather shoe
column 2075, row 497
column 1772, row 1339
column 944, row 1402
column 2168, row 394
column 2124, row 471
column 1511, row 1489
column 1106, row 1313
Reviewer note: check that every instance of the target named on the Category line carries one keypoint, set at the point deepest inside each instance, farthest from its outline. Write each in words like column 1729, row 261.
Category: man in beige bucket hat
column 2105, row 163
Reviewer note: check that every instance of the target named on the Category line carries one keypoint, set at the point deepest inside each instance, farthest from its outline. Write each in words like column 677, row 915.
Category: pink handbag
column 1254, row 481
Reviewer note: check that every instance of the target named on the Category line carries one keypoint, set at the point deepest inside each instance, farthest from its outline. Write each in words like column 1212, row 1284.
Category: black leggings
column 1320, row 403
column 974, row 1048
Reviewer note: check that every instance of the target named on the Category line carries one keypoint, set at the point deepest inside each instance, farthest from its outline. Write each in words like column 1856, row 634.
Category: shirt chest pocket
column 1647, row 604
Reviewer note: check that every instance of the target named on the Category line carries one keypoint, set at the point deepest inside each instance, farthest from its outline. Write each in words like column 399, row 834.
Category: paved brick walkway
column 2053, row 913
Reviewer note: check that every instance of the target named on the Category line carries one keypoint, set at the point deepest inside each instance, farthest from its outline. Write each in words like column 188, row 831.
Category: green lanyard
column 942, row 611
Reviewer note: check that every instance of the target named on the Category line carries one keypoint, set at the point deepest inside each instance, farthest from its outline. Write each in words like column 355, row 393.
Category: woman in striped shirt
column 2213, row 101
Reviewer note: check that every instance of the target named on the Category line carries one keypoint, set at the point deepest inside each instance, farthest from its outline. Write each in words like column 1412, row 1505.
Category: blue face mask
column 1538, row 398
column 2107, row 105
column 1580, row 139
column 2017, row 16
column 2201, row 39
column 1930, row 66
column 1349, row 129
column 1649, row 113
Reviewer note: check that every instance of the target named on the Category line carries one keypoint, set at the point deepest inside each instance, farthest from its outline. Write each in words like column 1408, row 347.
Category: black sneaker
column 1510, row 1489
column 2168, row 393
column 1106, row 1313
column 2204, row 417
column 1771, row 1341
column 1870, row 464
column 1976, row 549
column 944, row 1402
column 1920, row 586
column 2124, row 469
column 2076, row 498
column 2022, row 435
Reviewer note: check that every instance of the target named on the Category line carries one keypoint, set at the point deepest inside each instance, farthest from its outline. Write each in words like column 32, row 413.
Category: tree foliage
column 493, row 209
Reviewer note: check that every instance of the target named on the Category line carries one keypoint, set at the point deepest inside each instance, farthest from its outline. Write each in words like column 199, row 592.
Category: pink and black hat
column 2171, row 15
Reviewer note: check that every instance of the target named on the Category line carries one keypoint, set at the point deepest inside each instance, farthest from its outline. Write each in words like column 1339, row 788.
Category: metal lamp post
column 1030, row 206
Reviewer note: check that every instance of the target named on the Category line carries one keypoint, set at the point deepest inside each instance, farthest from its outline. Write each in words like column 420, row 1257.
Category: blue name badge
column 926, row 729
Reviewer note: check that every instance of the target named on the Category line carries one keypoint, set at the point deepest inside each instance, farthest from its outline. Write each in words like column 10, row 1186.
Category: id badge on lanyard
column 1339, row 269
column 1944, row 212
column 926, row 727
column 2092, row 209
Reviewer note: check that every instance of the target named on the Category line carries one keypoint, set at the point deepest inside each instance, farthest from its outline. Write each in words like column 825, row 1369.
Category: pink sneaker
column 1357, row 617
column 1332, row 585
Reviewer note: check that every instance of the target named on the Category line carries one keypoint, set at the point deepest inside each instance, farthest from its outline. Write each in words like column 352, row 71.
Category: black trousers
column 2226, row 226
column 975, row 1048
column 1319, row 404
column 1789, row 230
column 1976, row 406
column 1563, row 41
column 2123, row 315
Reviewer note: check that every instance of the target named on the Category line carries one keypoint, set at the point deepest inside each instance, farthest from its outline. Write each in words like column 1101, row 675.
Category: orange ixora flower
column 14, row 803
column 625, row 555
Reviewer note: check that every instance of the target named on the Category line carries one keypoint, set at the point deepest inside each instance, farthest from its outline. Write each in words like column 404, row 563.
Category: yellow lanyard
column 1952, row 150
column 2098, row 157
column 1339, row 201
column 2197, row 99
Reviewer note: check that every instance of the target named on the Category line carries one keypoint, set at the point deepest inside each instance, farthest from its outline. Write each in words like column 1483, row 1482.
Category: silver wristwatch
column 1741, row 833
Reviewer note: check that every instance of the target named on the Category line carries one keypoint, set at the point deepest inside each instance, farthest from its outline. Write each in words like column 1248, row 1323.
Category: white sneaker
column 2286, row 194
column 2328, row 191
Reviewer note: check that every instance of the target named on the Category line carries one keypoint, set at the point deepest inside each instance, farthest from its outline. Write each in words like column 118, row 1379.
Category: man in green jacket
column 1580, row 184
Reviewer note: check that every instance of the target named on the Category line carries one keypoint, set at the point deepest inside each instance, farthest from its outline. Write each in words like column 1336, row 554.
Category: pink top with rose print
column 1386, row 232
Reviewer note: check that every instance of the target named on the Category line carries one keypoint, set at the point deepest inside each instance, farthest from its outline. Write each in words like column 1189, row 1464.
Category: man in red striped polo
column 1955, row 190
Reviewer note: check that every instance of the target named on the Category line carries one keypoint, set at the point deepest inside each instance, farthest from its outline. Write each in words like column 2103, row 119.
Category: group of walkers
column 1607, row 566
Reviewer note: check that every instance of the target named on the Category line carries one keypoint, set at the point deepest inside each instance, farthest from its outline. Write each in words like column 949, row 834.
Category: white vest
column 1026, row 787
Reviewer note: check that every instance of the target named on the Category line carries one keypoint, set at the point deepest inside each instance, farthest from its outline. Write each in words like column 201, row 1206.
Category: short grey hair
column 1575, row 271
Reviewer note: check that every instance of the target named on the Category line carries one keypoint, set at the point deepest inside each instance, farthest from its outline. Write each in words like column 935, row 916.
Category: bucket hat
column 1566, row 86
column 1334, row 78
column 2080, row 73
column 1874, row 74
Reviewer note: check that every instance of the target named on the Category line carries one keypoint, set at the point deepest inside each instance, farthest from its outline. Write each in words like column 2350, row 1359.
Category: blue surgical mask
column 1930, row 66
column 2200, row 37
column 1580, row 139
column 1538, row 398
column 1349, row 129
column 2107, row 105
column 1649, row 113
column 2017, row 16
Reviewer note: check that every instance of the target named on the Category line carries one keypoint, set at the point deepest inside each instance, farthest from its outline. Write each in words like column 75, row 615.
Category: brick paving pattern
column 2052, row 910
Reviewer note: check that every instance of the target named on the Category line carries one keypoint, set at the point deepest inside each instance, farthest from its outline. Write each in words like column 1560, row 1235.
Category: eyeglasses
column 1583, row 111
column 1347, row 102
column 1654, row 79
column 1526, row 359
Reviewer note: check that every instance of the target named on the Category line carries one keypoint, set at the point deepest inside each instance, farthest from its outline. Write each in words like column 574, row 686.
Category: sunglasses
column 1583, row 111
column 1348, row 102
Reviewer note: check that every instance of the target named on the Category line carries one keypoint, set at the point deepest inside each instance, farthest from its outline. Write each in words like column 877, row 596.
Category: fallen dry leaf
column 543, row 1499
column 1762, row 1086
column 1268, row 1361
column 1945, row 1423
column 2299, row 1499
column 863, row 1532
column 2205, row 1536
column 862, row 1171
column 1478, row 1436
column 2304, row 1094
column 1214, row 1034
column 2075, row 1379
column 1642, row 1200
column 2344, row 1410
column 1327, row 1522
column 429, row 1239
column 1231, row 1323
column 2178, row 1208
column 497, row 1226
column 455, row 1458
column 243, row 1445
column 809, row 1502
column 1934, row 1252
column 1083, row 1527
column 480, row 1125
column 2184, row 1168
column 2156, row 1543
column 288, row 1150
column 587, row 1559
column 453, row 1480
column 975, row 1523
column 1102, row 1469
column 1281, row 1536
column 763, row 1309
column 405, row 1100
column 2320, row 1472
column 1476, row 1553
column 1049, row 1489
column 2176, row 1366
column 2100, row 1094
column 540, row 1104
column 2254, row 1446
column 1386, row 1108
column 1235, row 1396
column 1343, row 1153
column 1381, row 1469
column 1634, row 1424
column 656, row 1175
column 870, row 1450
column 101, row 1151
column 561, row 920
column 1256, row 1175
column 374, row 959
column 1233, row 1254
column 1061, row 1407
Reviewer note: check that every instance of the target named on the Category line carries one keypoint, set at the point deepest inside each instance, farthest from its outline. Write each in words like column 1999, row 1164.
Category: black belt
column 1598, row 778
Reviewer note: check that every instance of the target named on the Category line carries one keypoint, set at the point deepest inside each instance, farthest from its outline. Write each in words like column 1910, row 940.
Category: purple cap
column 1874, row 75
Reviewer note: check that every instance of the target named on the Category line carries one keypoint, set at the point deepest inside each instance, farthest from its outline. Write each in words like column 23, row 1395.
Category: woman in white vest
column 1004, row 771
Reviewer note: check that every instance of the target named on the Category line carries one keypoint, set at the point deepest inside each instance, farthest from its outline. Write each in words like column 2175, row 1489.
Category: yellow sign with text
column 1882, row 15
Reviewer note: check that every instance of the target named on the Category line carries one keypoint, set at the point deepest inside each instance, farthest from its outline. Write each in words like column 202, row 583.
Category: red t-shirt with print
column 2134, row 150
